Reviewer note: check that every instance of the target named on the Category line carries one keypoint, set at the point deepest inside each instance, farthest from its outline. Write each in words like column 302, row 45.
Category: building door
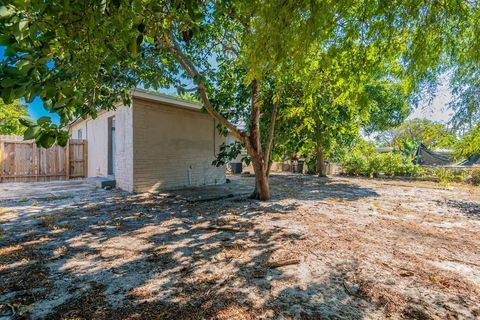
column 111, row 146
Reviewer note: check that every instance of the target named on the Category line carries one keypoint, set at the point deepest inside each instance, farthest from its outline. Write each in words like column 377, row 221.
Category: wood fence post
column 34, row 160
column 2, row 159
column 67, row 161
column 85, row 158
column 12, row 165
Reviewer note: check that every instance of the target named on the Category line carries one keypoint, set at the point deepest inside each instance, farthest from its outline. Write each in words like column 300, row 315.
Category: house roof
column 472, row 161
column 167, row 99
column 427, row 157
column 159, row 97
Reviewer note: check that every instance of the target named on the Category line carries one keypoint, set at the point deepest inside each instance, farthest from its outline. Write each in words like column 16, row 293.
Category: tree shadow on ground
column 317, row 189
column 292, row 186
column 470, row 209
column 162, row 258
column 325, row 299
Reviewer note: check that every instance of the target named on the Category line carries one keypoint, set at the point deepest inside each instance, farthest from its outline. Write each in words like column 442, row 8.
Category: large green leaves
column 6, row 11
column 31, row 132
column 44, row 132
column 79, row 59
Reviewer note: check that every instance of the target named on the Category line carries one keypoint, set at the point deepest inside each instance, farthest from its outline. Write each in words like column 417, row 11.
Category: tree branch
column 254, row 136
column 172, row 46
column 271, row 134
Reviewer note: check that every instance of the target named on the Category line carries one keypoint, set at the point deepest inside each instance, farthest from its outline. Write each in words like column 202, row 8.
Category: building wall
column 95, row 131
column 124, row 155
column 173, row 147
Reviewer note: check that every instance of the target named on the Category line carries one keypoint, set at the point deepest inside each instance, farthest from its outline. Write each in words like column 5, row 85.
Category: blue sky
column 35, row 108
column 436, row 111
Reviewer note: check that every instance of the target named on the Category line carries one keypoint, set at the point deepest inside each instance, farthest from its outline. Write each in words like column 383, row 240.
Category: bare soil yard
column 336, row 248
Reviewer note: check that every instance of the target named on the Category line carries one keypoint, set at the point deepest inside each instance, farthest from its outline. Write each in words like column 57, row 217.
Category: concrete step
column 102, row 182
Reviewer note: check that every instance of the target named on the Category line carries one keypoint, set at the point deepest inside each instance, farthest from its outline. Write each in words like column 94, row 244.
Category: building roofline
column 160, row 97
column 157, row 97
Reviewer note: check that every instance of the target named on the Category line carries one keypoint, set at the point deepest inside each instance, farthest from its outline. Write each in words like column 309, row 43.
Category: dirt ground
column 321, row 248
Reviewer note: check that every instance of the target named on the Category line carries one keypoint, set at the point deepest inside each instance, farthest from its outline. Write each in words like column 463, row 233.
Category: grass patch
column 61, row 197
column 51, row 198
column 50, row 221
column 53, row 222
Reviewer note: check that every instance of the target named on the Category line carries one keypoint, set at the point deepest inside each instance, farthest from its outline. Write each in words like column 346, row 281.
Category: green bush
column 475, row 176
column 353, row 166
column 445, row 175
column 394, row 164
column 375, row 164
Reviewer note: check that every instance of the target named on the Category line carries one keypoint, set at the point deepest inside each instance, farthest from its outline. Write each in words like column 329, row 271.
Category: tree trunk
column 320, row 161
column 254, row 148
column 269, row 166
column 319, row 150
column 268, row 148
column 262, row 188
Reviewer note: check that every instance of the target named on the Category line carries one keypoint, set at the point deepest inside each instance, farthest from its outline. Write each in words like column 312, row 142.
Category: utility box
column 236, row 167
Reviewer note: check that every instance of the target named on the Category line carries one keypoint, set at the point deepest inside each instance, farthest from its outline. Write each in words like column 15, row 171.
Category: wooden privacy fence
column 23, row 161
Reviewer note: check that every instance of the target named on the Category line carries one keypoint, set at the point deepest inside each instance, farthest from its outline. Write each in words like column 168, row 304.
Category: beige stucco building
column 158, row 143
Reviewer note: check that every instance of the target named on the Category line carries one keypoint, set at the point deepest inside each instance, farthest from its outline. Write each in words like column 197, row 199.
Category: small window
column 79, row 134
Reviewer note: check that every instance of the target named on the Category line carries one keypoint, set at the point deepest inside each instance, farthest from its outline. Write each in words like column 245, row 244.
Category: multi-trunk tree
column 323, row 127
column 327, row 105
column 81, row 56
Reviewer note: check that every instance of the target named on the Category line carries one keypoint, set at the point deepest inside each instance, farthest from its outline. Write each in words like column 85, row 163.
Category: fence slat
column 67, row 161
column 85, row 157
column 2, row 160
column 23, row 161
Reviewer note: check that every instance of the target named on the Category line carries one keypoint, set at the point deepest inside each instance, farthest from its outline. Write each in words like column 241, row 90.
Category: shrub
column 444, row 174
column 375, row 164
column 469, row 145
column 353, row 165
column 475, row 176
column 398, row 165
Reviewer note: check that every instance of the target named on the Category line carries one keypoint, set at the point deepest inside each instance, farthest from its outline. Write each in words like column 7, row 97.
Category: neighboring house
column 158, row 143
column 473, row 161
column 437, row 157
